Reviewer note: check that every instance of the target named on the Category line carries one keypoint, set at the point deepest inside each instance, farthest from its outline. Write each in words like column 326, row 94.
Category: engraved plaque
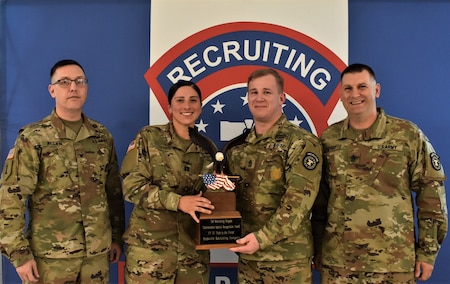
column 223, row 227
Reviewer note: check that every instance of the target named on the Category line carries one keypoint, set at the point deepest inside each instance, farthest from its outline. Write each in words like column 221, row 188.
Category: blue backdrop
column 406, row 42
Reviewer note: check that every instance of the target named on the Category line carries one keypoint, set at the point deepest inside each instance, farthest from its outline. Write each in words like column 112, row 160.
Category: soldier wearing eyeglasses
column 64, row 169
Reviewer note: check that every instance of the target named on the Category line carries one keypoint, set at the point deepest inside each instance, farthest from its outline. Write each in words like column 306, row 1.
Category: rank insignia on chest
column 250, row 163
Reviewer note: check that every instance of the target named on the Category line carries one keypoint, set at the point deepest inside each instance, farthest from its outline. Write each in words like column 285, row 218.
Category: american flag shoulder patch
column 11, row 153
column 131, row 146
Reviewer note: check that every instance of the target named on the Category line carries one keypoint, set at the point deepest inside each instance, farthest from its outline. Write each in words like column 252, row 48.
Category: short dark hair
column 182, row 83
column 267, row 71
column 62, row 63
column 358, row 67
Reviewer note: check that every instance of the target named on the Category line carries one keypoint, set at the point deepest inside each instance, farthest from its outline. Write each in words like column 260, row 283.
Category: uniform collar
column 376, row 131
column 86, row 130
column 271, row 133
column 172, row 137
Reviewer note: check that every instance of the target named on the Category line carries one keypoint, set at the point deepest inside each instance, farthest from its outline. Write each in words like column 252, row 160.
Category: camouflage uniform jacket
column 158, row 169
column 371, row 174
column 71, row 184
column 280, row 173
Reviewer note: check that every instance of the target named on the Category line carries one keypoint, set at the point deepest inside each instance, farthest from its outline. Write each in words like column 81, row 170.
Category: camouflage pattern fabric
column 280, row 173
column 72, row 187
column 165, row 266
column 275, row 272
column 158, row 169
column 363, row 218
column 334, row 275
column 79, row 270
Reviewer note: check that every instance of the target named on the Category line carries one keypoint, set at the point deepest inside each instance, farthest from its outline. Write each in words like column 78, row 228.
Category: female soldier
column 161, row 177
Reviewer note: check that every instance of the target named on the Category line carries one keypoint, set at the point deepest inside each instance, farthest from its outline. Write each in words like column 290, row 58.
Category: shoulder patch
column 11, row 153
column 310, row 161
column 435, row 162
column 131, row 146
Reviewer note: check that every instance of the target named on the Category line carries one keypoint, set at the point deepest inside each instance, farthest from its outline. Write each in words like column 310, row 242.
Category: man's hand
column 115, row 252
column 249, row 244
column 28, row 271
column 195, row 203
column 423, row 270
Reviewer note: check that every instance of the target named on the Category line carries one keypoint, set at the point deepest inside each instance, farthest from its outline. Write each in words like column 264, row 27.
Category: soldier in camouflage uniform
column 363, row 219
column 161, row 178
column 280, row 168
column 65, row 169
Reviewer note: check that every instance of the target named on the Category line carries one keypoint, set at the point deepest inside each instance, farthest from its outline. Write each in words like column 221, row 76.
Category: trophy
column 223, row 226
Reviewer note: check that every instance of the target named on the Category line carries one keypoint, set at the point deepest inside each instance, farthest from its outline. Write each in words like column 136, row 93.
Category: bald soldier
column 64, row 168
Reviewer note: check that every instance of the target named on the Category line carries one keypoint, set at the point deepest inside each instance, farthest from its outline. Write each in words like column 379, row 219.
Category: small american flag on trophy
column 217, row 181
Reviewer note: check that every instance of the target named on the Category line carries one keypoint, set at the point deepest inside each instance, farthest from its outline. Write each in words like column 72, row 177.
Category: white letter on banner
column 304, row 69
column 290, row 58
column 177, row 74
column 222, row 280
column 231, row 48
column 266, row 51
column 247, row 50
column 280, row 48
column 322, row 84
column 190, row 65
column 208, row 60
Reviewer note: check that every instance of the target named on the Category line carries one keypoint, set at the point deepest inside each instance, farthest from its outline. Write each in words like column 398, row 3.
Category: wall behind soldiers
column 406, row 42
column 110, row 38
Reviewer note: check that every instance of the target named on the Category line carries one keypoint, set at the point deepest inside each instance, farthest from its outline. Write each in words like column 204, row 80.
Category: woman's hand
column 191, row 204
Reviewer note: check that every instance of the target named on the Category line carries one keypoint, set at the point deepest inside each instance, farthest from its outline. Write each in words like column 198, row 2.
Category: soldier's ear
column 283, row 97
column 377, row 90
column 51, row 90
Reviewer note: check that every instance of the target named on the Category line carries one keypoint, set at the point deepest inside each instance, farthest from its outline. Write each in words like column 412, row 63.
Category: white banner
column 217, row 43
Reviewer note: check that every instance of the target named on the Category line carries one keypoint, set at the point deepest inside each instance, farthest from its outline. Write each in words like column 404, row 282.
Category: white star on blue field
column 226, row 115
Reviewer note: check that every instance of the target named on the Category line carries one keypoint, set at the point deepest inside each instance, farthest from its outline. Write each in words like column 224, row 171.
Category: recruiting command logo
column 219, row 60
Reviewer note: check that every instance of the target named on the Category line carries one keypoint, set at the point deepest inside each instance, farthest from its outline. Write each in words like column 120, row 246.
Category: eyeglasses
column 65, row 82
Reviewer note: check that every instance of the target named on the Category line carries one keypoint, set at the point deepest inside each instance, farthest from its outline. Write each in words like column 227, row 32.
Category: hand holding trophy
column 223, row 226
